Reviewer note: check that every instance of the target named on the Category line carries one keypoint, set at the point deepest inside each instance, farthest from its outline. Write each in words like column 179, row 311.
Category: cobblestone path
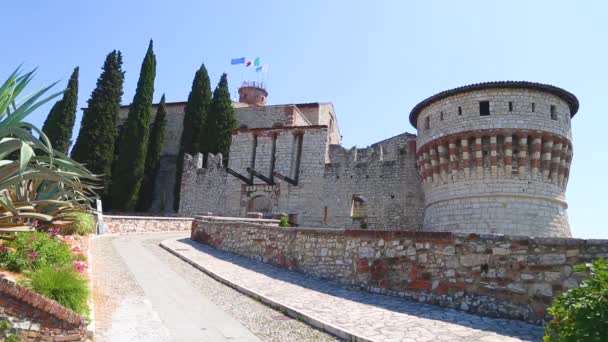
column 370, row 316
column 144, row 293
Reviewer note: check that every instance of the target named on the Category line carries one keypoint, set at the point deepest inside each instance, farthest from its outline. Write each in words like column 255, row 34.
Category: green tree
column 59, row 123
column 95, row 143
column 155, row 145
column 195, row 113
column 221, row 121
column 129, row 171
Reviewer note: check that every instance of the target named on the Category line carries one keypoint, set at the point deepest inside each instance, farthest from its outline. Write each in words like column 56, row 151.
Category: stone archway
column 259, row 204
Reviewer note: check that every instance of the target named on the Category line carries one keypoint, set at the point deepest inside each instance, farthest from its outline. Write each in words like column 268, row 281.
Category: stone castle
column 488, row 158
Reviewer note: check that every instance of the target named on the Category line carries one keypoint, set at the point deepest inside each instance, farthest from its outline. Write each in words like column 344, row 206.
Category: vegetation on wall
column 195, row 116
column 95, row 143
column 129, row 171
column 59, row 123
column 581, row 313
column 155, row 145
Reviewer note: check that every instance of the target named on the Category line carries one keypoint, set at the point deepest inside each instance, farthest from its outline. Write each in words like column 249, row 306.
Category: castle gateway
column 488, row 158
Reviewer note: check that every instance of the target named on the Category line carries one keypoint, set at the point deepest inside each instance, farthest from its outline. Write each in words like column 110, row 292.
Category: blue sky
column 373, row 60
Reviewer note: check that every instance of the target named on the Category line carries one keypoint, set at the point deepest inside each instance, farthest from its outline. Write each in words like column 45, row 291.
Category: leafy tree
column 95, row 143
column 129, row 171
column 581, row 313
column 60, row 121
column 155, row 144
column 221, row 121
column 195, row 112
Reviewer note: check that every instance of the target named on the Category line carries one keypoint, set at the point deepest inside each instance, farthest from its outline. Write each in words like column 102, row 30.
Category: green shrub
column 31, row 251
column 581, row 314
column 284, row 222
column 83, row 223
column 63, row 285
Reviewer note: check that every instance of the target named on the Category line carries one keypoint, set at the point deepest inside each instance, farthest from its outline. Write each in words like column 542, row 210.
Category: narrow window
column 510, row 106
column 553, row 113
column 325, row 216
column 484, row 108
column 441, row 116
column 427, row 123
column 533, row 107
column 459, row 110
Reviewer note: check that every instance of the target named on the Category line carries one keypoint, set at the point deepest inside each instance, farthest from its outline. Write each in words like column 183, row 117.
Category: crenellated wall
column 327, row 179
column 501, row 171
column 384, row 175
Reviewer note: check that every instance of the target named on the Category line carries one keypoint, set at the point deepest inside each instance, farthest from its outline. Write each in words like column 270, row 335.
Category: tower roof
column 559, row 92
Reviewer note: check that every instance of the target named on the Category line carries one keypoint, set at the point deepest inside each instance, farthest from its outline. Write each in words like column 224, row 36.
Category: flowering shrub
column 30, row 251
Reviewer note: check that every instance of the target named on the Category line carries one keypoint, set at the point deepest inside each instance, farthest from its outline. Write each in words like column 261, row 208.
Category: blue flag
column 235, row 61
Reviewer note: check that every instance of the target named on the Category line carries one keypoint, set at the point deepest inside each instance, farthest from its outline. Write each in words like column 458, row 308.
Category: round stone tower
column 495, row 158
column 253, row 93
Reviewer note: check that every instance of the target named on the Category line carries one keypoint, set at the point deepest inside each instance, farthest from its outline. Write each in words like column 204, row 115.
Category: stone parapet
column 145, row 224
column 486, row 274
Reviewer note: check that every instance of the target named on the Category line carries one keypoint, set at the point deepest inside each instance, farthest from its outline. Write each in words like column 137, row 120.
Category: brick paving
column 363, row 315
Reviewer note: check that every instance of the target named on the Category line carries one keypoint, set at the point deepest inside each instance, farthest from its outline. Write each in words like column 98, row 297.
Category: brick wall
column 491, row 275
column 36, row 318
column 144, row 224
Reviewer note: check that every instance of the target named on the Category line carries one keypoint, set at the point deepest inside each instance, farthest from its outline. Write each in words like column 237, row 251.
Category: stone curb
column 289, row 311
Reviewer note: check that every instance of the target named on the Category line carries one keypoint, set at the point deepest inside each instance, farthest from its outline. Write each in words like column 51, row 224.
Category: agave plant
column 37, row 183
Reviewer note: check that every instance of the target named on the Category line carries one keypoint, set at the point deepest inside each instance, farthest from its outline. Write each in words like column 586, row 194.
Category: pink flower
column 54, row 232
column 7, row 249
column 35, row 224
column 76, row 249
column 80, row 266
column 33, row 255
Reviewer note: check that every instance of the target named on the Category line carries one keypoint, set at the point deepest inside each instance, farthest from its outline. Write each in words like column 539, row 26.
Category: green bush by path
column 31, row 251
column 581, row 314
column 83, row 223
column 63, row 285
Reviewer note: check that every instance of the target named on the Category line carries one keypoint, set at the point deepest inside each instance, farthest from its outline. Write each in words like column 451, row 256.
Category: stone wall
column 384, row 176
column 505, row 172
column 328, row 178
column 491, row 275
column 35, row 318
column 115, row 224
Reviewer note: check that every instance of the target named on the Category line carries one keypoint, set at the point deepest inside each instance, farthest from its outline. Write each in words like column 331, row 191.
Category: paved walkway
column 367, row 316
column 143, row 293
column 158, row 304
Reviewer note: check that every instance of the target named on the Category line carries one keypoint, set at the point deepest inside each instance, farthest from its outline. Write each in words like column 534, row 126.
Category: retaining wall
column 35, row 318
column 144, row 224
column 491, row 275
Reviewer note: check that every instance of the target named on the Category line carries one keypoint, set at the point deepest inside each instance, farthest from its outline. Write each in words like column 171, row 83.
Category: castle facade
column 488, row 158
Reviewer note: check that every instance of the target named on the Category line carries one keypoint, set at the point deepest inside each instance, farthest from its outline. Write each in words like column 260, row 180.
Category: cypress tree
column 195, row 114
column 95, row 143
column 221, row 121
column 59, row 123
column 155, row 145
column 129, row 171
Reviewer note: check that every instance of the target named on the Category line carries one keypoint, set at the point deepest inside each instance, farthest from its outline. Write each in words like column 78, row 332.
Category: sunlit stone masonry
column 495, row 158
column 488, row 158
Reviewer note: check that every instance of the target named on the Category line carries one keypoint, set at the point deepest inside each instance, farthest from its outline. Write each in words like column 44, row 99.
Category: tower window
column 533, row 107
column 427, row 123
column 553, row 113
column 510, row 106
column 441, row 116
column 459, row 110
column 484, row 108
